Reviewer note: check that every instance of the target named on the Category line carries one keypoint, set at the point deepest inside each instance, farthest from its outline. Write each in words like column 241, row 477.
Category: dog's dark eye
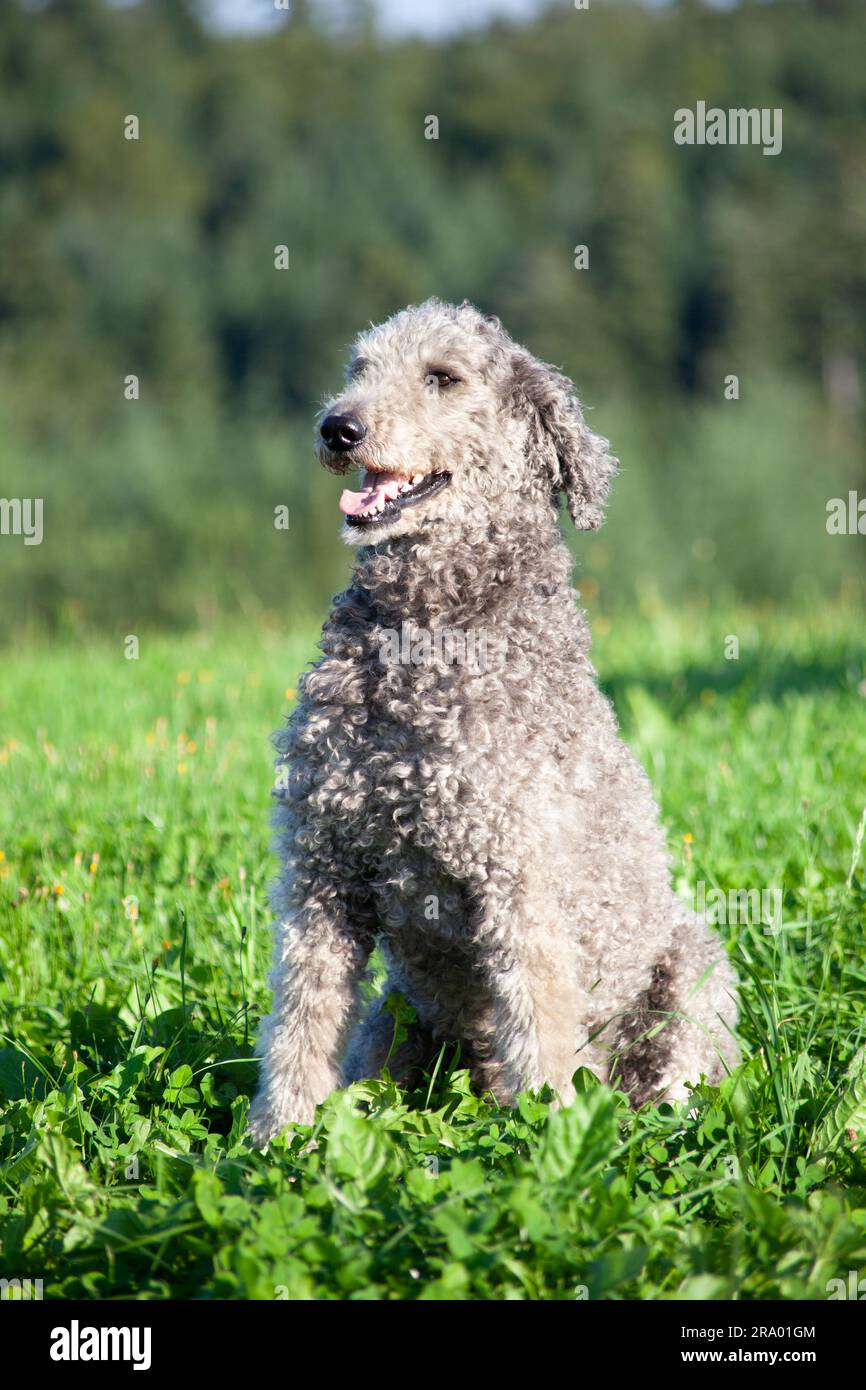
column 436, row 376
column 359, row 365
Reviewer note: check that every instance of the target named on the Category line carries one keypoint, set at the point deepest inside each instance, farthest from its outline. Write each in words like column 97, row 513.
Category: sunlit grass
column 134, row 945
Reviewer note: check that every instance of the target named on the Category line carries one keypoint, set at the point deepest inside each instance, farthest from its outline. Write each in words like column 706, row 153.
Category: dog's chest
column 387, row 760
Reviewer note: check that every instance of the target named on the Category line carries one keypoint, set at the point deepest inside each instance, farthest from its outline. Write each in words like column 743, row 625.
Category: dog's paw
column 262, row 1127
column 267, row 1119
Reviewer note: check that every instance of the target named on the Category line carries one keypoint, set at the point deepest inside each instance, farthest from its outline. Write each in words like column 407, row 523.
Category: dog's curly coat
column 482, row 821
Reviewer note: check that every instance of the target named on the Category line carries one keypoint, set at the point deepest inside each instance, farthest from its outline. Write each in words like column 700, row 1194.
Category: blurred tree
column 156, row 256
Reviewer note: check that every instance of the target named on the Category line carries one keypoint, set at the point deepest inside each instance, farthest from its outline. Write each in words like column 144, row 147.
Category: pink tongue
column 376, row 488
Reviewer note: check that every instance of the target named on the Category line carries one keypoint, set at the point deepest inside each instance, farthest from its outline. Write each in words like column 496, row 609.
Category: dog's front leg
column 506, row 1045
column 532, row 1003
column 318, row 962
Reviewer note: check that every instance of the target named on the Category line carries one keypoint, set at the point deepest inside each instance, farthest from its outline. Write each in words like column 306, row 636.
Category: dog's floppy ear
column 579, row 462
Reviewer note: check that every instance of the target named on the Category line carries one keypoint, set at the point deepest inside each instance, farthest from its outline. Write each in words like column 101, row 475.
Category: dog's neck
column 488, row 575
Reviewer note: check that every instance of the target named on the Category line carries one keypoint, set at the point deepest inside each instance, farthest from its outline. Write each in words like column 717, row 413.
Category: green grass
column 134, row 946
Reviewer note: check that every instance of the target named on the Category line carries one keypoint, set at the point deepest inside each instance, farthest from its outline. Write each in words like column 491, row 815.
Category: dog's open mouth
column 383, row 495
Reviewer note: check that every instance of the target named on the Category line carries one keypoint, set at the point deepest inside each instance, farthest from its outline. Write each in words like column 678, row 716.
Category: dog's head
column 448, row 418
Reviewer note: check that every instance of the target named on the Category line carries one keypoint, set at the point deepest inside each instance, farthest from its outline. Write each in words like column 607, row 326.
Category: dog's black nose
column 341, row 432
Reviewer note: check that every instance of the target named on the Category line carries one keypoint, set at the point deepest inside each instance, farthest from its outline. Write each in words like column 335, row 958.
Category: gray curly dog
column 452, row 783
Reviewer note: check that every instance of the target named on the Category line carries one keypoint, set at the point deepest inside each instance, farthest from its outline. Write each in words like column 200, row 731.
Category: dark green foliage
column 156, row 257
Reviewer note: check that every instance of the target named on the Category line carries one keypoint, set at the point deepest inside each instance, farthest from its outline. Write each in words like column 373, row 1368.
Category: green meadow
column 134, row 948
